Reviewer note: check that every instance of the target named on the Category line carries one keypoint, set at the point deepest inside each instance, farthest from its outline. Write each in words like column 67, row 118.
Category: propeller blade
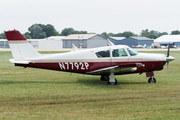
column 168, row 50
column 168, row 58
column 168, row 67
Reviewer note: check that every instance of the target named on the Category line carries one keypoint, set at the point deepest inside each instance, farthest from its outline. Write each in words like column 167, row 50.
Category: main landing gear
column 104, row 77
column 111, row 80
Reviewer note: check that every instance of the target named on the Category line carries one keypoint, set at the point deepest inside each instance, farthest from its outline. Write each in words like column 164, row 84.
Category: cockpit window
column 119, row 53
column 102, row 54
column 132, row 52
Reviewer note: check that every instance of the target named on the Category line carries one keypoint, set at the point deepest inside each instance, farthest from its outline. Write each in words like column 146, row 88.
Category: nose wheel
column 151, row 80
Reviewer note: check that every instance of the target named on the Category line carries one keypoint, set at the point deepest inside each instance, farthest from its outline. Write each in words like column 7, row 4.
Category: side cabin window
column 132, row 52
column 102, row 54
column 119, row 53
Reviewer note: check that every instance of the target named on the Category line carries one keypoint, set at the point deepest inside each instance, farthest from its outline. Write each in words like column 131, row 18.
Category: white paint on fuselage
column 89, row 55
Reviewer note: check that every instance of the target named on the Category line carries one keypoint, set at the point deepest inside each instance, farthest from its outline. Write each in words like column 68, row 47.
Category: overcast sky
column 92, row 15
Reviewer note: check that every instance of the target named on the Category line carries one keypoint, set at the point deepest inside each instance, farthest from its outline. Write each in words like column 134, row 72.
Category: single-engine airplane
column 105, row 61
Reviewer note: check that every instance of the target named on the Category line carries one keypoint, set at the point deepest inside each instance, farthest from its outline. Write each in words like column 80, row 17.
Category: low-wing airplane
column 105, row 61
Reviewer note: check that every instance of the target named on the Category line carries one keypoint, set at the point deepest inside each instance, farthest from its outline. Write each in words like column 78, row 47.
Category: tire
column 104, row 78
column 151, row 80
column 112, row 83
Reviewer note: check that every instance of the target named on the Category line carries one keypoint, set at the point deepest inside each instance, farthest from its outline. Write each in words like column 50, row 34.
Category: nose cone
column 168, row 59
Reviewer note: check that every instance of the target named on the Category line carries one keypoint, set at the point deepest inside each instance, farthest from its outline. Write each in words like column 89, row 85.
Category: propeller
column 168, row 67
column 168, row 58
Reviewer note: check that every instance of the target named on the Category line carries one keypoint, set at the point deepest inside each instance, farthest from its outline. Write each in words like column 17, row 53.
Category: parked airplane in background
column 105, row 61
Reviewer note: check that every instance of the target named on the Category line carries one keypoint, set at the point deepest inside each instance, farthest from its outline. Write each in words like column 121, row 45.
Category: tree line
column 41, row 31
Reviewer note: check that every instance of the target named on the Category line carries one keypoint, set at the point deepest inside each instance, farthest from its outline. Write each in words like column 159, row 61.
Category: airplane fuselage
column 89, row 60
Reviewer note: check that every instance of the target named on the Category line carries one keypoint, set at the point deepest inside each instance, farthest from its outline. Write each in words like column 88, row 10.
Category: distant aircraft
column 104, row 61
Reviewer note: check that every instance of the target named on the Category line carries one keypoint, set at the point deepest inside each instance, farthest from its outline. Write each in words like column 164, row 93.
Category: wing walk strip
column 108, row 68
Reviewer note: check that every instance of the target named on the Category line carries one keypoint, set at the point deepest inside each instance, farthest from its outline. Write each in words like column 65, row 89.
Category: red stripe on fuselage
column 92, row 66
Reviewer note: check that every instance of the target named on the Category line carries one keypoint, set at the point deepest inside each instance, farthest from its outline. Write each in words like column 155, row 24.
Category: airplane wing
column 128, row 67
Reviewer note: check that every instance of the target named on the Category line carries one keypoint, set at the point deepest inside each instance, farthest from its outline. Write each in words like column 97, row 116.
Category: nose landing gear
column 151, row 80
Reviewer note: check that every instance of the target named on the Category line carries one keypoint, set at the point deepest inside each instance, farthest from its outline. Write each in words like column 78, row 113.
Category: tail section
column 20, row 47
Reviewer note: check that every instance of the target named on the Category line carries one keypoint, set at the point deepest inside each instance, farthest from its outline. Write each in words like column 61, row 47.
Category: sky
column 95, row 16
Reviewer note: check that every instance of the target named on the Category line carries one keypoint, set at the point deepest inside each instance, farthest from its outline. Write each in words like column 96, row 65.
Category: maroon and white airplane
column 105, row 61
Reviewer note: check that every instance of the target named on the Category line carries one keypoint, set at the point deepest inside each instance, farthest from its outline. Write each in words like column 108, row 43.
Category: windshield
column 132, row 52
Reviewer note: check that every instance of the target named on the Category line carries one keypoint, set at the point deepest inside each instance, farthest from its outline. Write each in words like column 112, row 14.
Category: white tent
column 167, row 39
column 51, row 42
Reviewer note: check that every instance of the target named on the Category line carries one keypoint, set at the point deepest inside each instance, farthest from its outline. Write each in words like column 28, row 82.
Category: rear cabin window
column 102, row 54
column 119, row 53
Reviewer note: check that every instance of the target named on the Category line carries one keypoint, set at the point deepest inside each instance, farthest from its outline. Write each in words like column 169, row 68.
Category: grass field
column 43, row 94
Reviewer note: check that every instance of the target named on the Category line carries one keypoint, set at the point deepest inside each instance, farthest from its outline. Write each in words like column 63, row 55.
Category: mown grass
column 43, row 94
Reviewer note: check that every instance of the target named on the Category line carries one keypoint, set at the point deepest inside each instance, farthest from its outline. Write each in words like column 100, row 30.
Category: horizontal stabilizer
column 19, row 62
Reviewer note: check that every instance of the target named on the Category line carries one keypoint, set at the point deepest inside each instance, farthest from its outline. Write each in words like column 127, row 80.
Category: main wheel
column 104, row 77
column 113, row 83
column 151, row 80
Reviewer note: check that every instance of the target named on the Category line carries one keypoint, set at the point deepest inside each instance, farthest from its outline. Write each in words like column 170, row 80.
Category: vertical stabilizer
column 19, row 46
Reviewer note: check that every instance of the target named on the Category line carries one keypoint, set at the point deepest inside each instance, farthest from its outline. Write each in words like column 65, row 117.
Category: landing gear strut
column 151, row 80
column 113, row 83
column 111, row 80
